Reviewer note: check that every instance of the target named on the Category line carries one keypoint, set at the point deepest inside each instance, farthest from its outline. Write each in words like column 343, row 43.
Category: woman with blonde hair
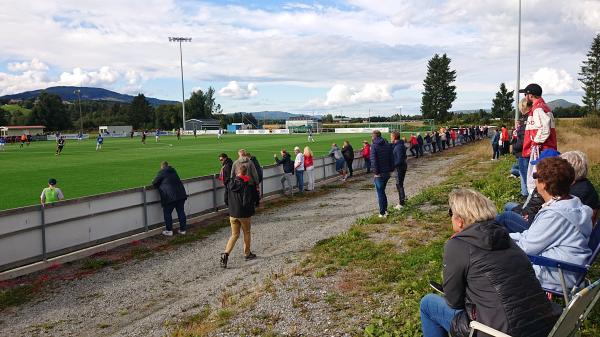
column 486, row 277
column 309, row 168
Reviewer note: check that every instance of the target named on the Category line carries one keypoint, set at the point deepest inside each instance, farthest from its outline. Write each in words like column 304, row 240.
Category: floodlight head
column 180, row 39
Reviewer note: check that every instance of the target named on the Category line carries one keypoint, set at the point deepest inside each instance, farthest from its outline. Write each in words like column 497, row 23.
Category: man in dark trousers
column 399, row 152
column 382, row 162
column 419, row 144
column 172, row 196
column 225, row 173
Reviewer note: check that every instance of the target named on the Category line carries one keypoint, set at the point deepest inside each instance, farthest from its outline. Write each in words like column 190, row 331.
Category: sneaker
column 182, row 232
column 398, row 207
column 224, row 258
column 384, row 215
column 250, row 256
column 167, row 233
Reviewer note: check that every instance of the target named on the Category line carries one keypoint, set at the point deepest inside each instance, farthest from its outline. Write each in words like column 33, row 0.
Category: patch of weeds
column 15, row 295
column 103, row 325
column 141, row 252
column 331, row 298
column 199, row 234
column 95, row 264
column 223, row 316
column 198, row 317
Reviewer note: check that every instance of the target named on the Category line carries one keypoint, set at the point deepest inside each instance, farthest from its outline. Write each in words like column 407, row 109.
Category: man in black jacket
column 172, row 196
column 399, row 151
column 382, row 160
column 225, row 174
column 288, row 170
column 241, row 209
column 259, row 171
column 348, row 153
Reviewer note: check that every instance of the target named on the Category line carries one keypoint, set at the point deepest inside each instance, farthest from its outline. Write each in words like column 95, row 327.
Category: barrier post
column 214, row 194
column 324, row 168
column 145, row 208
column 43, row 218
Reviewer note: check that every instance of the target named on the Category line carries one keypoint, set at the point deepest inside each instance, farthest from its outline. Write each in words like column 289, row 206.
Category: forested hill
column 67, row 93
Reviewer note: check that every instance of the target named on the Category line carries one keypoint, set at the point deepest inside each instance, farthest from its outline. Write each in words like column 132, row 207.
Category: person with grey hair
column 582, row 187
column 486, row 277
column 299, row 168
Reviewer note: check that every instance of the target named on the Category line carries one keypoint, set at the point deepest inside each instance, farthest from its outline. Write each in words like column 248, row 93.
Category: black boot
column 224, row 258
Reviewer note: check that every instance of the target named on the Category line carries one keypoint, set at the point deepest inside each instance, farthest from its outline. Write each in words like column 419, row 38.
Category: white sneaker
column 383, row 215
column 398, row 207
column 167, row 233
column 182, row 232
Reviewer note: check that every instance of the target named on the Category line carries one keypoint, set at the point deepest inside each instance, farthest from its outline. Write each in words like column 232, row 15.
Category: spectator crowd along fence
column 35, row 234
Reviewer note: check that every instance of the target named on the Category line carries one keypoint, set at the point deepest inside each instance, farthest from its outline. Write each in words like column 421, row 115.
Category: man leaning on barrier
column 172, row 196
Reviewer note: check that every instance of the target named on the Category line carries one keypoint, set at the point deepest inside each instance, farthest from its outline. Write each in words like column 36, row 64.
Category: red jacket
column 366, row 151
column 308, row 161
column 504, row 136
column 452, row 134
column 413, row 140
column 540, row 128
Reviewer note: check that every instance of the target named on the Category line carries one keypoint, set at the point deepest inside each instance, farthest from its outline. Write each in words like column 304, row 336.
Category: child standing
column 51, row 193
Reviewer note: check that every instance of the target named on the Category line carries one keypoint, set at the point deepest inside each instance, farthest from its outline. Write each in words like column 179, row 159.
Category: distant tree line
column 51, row 111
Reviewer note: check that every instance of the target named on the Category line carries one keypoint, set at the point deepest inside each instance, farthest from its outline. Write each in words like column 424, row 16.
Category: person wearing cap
column 540, row 130
column 366, row 155
column 51, row 193
column 299, row 169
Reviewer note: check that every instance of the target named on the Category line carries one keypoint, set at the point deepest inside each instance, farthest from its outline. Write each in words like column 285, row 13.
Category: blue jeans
column 300, row 180
column 380, row 184
column 167, row 213
column 514, row 170
column 436, row 316
column 512, row 221
column 367, row 164
column 523, row 165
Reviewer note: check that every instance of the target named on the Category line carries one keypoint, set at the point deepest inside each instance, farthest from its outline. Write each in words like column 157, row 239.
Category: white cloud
column 343, row 95
column 79, row 77
column 553, row 81
column 235, row 91
column 33, row 65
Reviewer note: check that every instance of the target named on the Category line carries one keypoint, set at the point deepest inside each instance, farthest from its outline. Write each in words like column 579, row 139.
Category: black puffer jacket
column 169, row 186
column 484, row 266
column 240, row 196
column 348, row 152
column 531, row 207
column 517, row 147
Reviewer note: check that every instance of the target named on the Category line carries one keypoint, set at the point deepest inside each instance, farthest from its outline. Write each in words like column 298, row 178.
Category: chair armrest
column 548, row 262
column 486, row 329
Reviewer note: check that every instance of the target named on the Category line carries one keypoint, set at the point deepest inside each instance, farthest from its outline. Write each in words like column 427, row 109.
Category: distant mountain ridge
column 277, row 115
column 67, row 93
column 560, row 103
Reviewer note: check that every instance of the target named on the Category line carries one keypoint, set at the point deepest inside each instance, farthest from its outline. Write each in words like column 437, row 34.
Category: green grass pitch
column 125, row 163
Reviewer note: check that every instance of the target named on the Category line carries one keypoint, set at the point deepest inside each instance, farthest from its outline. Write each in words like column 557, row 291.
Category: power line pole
column 180, row 40
column 518, row 68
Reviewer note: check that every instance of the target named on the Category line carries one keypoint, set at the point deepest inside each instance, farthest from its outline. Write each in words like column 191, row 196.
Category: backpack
column 259, row 169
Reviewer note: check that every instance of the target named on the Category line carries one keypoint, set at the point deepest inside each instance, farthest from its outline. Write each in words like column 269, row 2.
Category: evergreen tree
column 50, row 111
column 3, row 117
column 202, row 104
column 141, row 114
column 439, row 93
column 502, row 105
column 590, row 77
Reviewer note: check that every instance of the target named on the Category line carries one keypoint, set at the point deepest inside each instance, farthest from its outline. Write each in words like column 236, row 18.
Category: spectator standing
column 522, row 161
column 419, row 144
column 400, row 166
column 366, row 155
column 561, row 229
column 504, row 140
column 447, row 138
column 413, row 146
column 299, row 169
column 309, row 168
column 241, row 209
column 540, row 131
column 251, row 171
column 453, row 137
column 486, row 278
column 259, row 172
column 428, row 142
column 172, row 196
column 348, row 153
column 288, row 170
column 51, row 193
column 438, row 141
column 496, row 145
column 340, row 162
column 225, row 173
column 382, row 160
column 443, row 138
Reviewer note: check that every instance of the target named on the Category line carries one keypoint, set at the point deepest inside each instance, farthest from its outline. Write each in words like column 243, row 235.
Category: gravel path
column 144, row 298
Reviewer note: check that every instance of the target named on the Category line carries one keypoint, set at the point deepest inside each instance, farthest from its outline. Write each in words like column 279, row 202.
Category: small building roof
column 12, row 127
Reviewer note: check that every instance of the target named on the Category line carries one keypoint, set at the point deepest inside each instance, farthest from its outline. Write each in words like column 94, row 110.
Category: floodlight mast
column 518, row 68
column 181, row 39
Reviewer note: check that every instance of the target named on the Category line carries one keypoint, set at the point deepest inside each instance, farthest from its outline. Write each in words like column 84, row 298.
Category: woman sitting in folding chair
column 486, row 277
column 561, row 229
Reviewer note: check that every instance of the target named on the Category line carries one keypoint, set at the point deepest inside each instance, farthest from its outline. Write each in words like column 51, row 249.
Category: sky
column 353, row 57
